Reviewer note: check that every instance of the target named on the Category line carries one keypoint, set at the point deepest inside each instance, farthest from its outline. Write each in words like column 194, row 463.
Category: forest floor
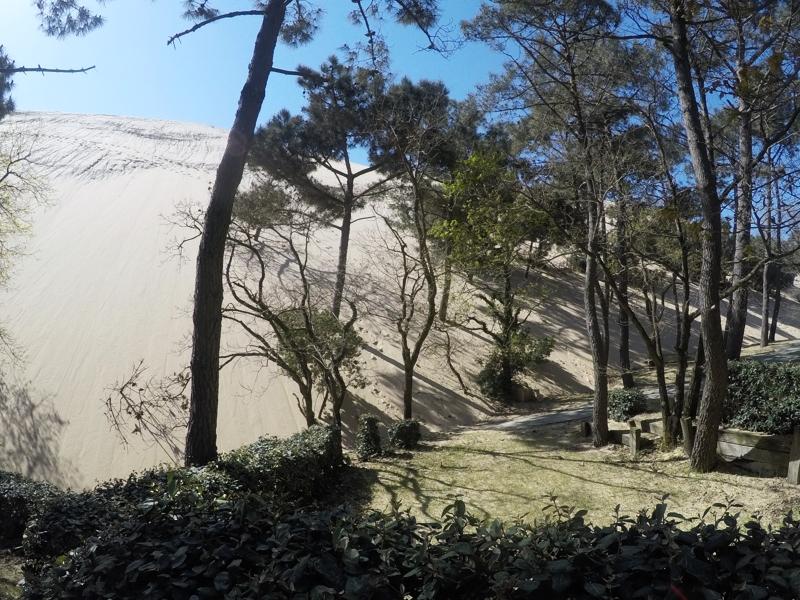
column 514, row 472
column 10, row 575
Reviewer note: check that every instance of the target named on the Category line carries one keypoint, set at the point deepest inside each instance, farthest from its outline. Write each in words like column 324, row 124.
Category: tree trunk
column 739, row 300
column 201, row 436
column 704, row 453
column 767, row 269
column 344, row 244
column 596, row 342
column 622, row 284
column 696, row 384
column 444, row 303
column 776, row 307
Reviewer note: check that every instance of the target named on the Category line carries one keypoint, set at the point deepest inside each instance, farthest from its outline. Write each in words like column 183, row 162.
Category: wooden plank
column 731, row 452
column 764, row 441
column 793, row 471
column 758, row 468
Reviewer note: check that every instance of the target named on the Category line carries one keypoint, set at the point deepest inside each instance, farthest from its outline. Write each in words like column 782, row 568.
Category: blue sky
column 199, row 80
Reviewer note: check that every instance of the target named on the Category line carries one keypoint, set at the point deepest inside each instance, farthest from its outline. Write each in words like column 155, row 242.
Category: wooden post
column 687, row 430
column 635, row 439
column 793, row 476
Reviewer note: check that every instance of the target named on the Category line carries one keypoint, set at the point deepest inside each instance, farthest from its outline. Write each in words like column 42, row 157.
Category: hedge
column 247, row 551
column 624, row 404
column 763, row 396
column 48, row 523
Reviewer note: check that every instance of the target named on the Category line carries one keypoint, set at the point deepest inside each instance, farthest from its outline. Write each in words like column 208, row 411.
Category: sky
column 199, row 79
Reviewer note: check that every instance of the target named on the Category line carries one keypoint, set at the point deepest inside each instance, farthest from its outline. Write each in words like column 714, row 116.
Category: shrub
column 763, row 396
column 624, row 404
column 368, row 438
column 504, row 363
column 405, row 434
column 249, row 551
column 20, row 498
column 297, row 467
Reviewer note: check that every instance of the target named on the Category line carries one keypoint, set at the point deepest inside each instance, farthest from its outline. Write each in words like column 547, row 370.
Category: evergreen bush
column 763, row 396
column 625, row 404
column 405, row 434
column 248, row 550
column 368, row 438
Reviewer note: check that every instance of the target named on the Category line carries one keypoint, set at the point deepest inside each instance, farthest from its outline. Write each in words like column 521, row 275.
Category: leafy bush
column 297, row 467
column 624, row 404
column 763, row 396
column 66, row 520
column 504, row 363
column 249, row 551
column 405, row 434
column 20, row 498
column 368, row 438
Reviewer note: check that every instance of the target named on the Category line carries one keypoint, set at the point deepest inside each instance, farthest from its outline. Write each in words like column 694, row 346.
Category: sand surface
column 100, row 288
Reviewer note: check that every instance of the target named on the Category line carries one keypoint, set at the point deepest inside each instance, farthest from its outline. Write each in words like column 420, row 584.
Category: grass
column 508, row 475
column 10, row 574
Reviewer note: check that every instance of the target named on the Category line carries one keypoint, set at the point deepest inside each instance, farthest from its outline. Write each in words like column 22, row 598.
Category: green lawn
column 508, row 475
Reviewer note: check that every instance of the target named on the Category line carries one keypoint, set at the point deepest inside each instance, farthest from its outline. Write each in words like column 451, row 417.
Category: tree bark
column 344, row 245
column 738, row 311
column 622, row 278
column 704, row 453
column 596, row 342
column 201, row 436
column 444, row 303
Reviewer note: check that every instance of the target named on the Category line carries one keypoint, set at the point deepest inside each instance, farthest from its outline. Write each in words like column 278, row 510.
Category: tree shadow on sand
column 30, row 434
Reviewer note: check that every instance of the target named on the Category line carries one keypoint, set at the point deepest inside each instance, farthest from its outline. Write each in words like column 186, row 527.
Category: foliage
column 20, row 498
column 763, row 396
column 404, row 434
column 248, row 550
column 504, row 363
column 368, row 438
column 315, row 339
column 294, row 468
column 624, row 404
column 297, row 469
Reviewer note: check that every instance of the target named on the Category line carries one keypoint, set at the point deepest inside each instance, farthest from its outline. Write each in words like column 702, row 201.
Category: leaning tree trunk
column 704, row 452
column 344, row 244
column 447, row 282
column 201, row 437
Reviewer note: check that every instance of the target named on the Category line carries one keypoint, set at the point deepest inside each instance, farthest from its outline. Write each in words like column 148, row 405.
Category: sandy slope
column 100, row 290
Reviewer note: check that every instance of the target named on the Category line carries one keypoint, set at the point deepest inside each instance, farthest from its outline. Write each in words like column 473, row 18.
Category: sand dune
column 101, row 288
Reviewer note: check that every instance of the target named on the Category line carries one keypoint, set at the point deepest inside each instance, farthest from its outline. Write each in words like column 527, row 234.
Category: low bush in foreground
column 20, row 499
column 763, row 396
column 246, row 550
column 56, row 522
column 625, row 404
column 405, row 434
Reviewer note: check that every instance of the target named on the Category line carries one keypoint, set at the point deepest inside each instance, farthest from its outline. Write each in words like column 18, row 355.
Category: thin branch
column 238, row 13
column 42, row 70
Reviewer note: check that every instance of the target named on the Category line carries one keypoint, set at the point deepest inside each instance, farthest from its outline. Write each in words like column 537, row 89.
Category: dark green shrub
column 405, row 434
column 368, row 438
column 250, row 551
column 763, row 396
column 20, row 498
column 297, row 467
column 66, row 520
column 504, row 363
column 625, row 404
